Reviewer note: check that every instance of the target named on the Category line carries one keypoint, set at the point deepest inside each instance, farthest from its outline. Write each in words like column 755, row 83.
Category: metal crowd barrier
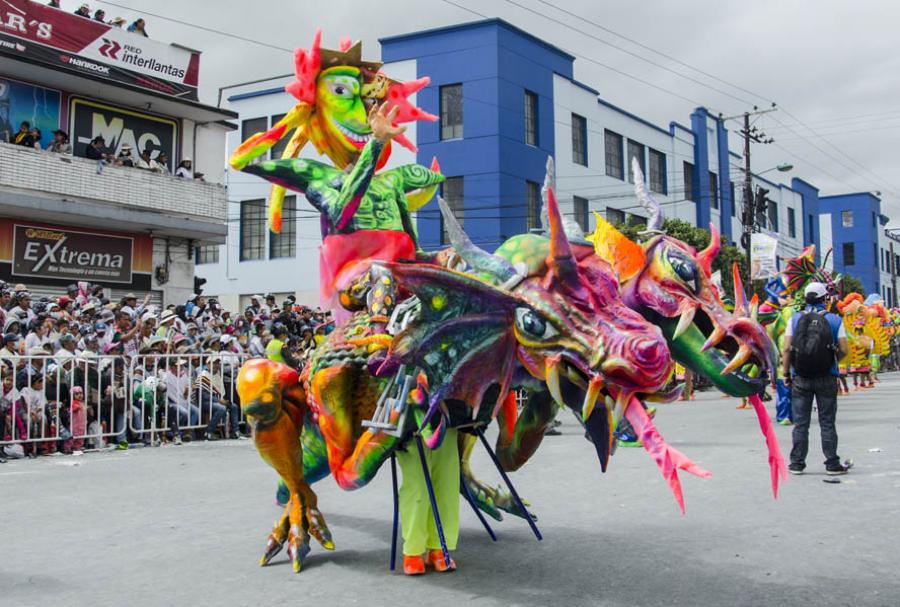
column 147, row 397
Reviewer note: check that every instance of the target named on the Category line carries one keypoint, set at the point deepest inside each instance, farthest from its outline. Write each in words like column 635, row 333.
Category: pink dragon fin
column 776, row 461
column 669, row 459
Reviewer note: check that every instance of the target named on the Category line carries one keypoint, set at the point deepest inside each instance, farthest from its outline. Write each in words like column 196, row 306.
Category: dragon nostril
column 648, row 350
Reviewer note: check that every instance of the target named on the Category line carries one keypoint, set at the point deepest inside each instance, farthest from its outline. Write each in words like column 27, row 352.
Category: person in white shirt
column 146, row 162
column 185, row 169
column 178, row 397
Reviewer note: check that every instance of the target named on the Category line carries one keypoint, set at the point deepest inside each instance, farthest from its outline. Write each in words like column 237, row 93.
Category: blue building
column 859, row 241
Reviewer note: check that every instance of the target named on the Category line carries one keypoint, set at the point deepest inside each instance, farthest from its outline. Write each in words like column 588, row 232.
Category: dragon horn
column 708, row 255
column 476, row 257
column 650, row 204
column 549, row 184
column 561, row 260
column 740, row 296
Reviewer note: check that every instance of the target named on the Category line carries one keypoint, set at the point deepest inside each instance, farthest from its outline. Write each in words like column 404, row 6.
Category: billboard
column 22, row 102
column 36, row 32
column 39, row 253
column 118, row 126
column 763, row 256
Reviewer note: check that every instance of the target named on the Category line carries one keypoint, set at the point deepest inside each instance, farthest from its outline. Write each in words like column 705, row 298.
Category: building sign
column 118, row 126
column 22, row 102
column 36, row 32
column 71, row 255
column 763, row 256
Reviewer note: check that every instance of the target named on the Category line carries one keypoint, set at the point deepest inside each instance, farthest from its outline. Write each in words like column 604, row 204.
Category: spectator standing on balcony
column 118, row 22
column 185, row 169
column 125, row 159
column 54, row 3
column 36, row 137
column 97, row 151
column 24, row 137
column 162, row 164
column 138, row 27
column 84, row 11
column 60, row 143
column 146, row 162
column 100, row 15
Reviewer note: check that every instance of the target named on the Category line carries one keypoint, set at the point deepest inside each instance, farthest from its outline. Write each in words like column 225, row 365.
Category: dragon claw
column 298, row 547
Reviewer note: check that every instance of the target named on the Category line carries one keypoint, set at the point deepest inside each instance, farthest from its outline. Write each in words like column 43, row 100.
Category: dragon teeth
column 687, row 317
column 590, row 398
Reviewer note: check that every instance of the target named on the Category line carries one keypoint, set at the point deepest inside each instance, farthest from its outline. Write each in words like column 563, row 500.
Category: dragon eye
column 685, row 269
column 533, row 325
column 342, row 88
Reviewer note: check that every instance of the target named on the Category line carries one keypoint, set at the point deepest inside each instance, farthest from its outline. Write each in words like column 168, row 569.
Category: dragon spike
column 708, row 255
column 551, row 375
column 561, row 260
column 717, row 335
column 688, row 310
column 740, row 296
column 743, row 355
column 473, row 255
column 549, row 184
column 754, row 307
column 650, row 204
column 590, row 398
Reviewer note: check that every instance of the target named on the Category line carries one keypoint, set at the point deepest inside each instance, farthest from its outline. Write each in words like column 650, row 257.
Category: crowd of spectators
column 66, row 364
column 30, row 137
column 138, row 26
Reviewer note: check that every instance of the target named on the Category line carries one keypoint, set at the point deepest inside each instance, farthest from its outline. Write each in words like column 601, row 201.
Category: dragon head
column 669, row 283
column 540, row 312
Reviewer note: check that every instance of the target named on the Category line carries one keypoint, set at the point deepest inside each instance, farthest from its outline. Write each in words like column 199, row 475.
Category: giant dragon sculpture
column 445, row 344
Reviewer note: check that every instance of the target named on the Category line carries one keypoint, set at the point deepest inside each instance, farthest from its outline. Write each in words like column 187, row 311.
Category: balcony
column 44, row 186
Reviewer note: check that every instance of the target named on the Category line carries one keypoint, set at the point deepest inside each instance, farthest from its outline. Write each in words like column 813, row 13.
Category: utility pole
column 748, row 213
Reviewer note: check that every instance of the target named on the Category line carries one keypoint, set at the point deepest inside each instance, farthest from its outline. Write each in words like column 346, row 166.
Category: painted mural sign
column 71, row 255
column 89, row 119
column 22, row 102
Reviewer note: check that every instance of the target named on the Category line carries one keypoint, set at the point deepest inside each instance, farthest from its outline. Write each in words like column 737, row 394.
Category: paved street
column 185, row 525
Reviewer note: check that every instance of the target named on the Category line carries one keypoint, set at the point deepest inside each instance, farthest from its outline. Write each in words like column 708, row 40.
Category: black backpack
column 812, row 346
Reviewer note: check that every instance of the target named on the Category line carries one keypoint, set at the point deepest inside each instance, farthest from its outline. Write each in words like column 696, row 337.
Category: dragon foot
column 295, row 528
column 493, row 501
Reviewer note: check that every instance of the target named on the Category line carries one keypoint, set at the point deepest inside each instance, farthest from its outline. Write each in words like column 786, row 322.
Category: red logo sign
column 110, row 48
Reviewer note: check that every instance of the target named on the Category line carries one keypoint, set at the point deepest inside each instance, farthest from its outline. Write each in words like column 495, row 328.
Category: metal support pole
column 749, row 204
column 471, row 500
column 434, row 508
column 396, row 512
column 512, row 490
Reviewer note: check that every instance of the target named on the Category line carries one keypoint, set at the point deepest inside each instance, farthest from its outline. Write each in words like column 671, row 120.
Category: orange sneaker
column 435, row 558
column 413, row 565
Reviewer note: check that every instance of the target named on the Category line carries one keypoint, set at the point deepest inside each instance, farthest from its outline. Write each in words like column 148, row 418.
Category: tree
column 850, row 284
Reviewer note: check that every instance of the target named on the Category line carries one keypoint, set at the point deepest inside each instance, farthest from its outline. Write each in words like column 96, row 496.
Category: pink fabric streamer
column 776, row 461
column 667, row 457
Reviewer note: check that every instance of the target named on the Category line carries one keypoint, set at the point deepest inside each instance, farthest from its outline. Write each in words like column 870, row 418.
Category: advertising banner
column 37, row 253
column 66, row 41
column 117, row 126
column 22, row 102
column 763, row 256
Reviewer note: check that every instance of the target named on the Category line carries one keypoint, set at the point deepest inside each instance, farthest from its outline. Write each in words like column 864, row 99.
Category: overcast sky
column 832, row 65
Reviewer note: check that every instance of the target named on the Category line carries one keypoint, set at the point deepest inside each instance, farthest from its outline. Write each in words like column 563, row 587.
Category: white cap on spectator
column 167, row 316
column 817, row 289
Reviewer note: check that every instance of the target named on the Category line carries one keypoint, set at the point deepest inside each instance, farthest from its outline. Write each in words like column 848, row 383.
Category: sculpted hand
column 381, row 121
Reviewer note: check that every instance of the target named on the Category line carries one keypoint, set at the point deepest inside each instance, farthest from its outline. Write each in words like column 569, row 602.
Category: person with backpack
column 814, row 341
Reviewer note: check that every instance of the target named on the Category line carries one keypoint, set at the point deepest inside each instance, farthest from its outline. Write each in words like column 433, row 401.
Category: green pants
column 419, row 530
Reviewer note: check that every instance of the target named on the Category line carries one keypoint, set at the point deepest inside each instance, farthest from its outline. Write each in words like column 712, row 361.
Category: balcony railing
column 76, row 178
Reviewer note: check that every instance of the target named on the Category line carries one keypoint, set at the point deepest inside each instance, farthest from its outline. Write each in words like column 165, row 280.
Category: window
column 812, row 229
column 531, row 118
column 874, row 219
column 773, row 215
column 579, row 140
column 451, row 111
column 847, row 219
column 278, row 149
column 452, row 193
column 253, row 126
column 206, row 254
column 733, row 200
column 615, row 216
column 580, row 211
column 613, row 150
column 657, row 172
column 874, row 250
column 253, row 229
column 849, row 254
column 635, row 150
column 713, row 190
column 285, row 244
column 688, row 169
column 533, row 200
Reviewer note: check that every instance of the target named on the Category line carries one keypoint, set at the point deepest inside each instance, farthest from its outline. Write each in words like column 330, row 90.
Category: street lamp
column 784, row 167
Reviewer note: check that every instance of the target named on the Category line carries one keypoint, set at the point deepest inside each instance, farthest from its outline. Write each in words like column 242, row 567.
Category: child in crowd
column 79, row 418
